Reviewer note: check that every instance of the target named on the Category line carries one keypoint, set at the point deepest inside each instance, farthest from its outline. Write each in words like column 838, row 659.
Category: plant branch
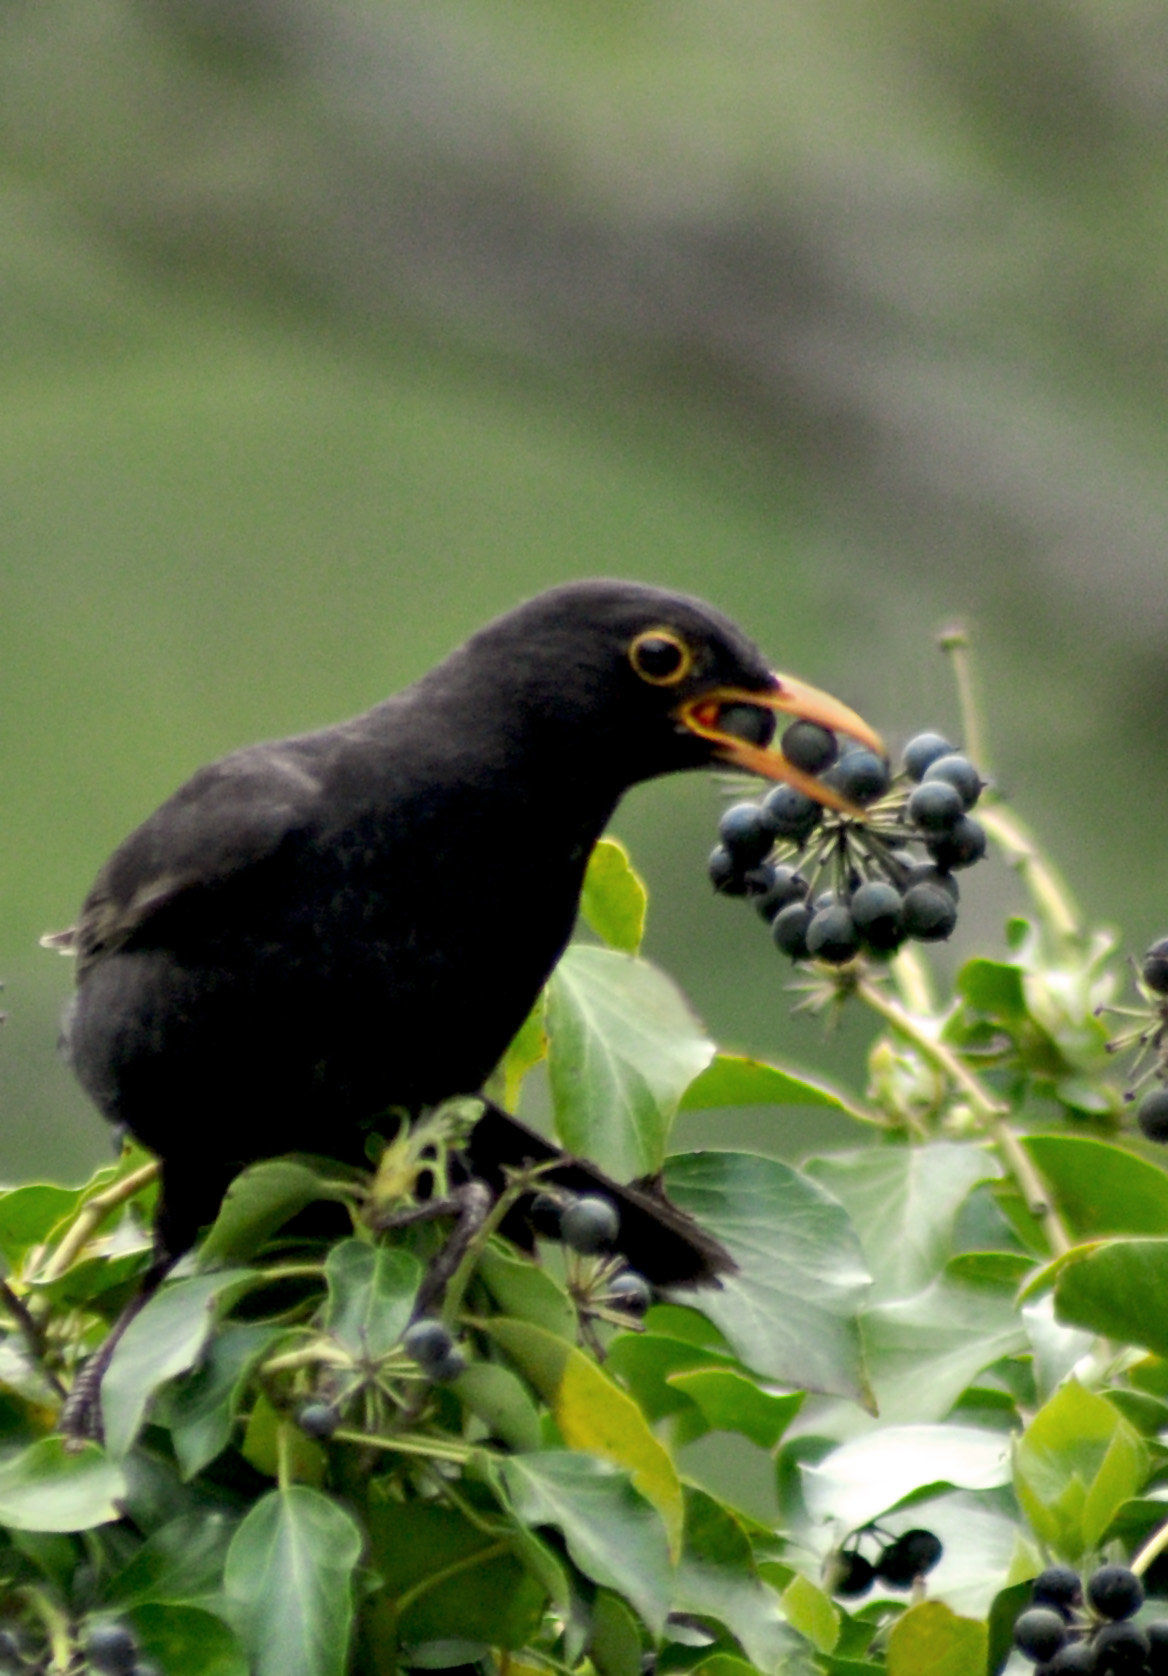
column 90, row 1217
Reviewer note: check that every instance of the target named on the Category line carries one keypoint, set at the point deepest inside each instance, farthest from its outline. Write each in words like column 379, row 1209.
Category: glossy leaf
column 188, row 1641
column 903, row 1202
column 730, row 1402
column 528, row 1047
column 611, row 1532
column 922, row 1352
column 1106, row 1288
column 594, row 1414
column 200, row 1409
column 371, row 1290
column 717, row 1578
column 29, row 1215
column 732, row 1079
column 869, row 1474
column 523, row 1289
column 182, row 1561
column 1075, row 1465
column 51, row 1487
column 623, row 1047
column 1100, row 1188
column 259, row 1201
column 931, row 1640
column 614, row 1639
column 502, row 1402
column 289, row 1578
column 811, row 1612
column 614, row 898
column 165, row 1339
column 790, row 1310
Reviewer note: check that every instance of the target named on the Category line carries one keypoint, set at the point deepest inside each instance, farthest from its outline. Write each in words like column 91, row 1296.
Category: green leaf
column 181, row 1561
column 867, row 1475
column 165, row 1339
column 1106, row 1288
column 812, row 1613
column 1075, row 1464
column 614, row 897
column 279, row 1449
column 187, row 1641
column 717, row 1578
column 445, row 1578
column 528, row 1047
column 789, row 1312
column 614, row 1640
column 289, row 1578
column 623, row 1047
column 995, row 988
column 29, row 1215
column 523, row 1289
column 931, row 1640
column 595, row 1415
column 646, row 1362
column 903, row 1202
column 200, row 1409
column 732, row 1079
column 259, row 1201
column 371, row 1291
column 52, row 1487
column 730, row 1402
column 611, row 1532
column 922, row 1352
column 1100, row 1188
column 501, row 1401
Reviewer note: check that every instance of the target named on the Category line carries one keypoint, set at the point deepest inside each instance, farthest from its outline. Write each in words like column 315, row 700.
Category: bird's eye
column 660, row 657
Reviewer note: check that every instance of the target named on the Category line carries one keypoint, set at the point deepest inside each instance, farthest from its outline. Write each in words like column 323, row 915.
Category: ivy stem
column 90, row 1217
column 990, row 1113
column 1050, row 894
column 1151, row 1550
column 431, row 1448
column 483, row 1556
column 33, row 1334
column 954, row 642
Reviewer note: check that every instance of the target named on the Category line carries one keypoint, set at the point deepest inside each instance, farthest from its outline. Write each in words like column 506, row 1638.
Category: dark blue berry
column 1115, row 1591
column 876, row 910
column 1154, row 967
column 630, row 1292
column 860, row 775
column 786, row 886
column 318, row 1419
column 726, row 875
column 922, row 751
column 961, row 846
column 928, row 873
column 929, row 913
column 1077, row 1658
column 1040, row 1631
column 1152, row 1116
column 1057, row 1586
column 958, row 772
column 1157, row 1634
column 908, row 1558
column 748, row 832
column 747, row 721
column 810, row 747
column 935, row 806
column 853, row 1574
column 793, row 814
column 112, row 1649
column 428, row 1341
column 832, row 934
column 589, row 1224
column 789, row 929
column 1121, row 1649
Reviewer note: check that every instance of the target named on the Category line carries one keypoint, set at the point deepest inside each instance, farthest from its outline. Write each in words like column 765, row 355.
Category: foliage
column 952, row 1326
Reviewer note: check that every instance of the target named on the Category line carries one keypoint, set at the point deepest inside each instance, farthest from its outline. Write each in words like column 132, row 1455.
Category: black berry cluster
column 112, row 1650
column 832, row 885
column 1067, row 1635
column 898, row 1562
column 588, row 1223
column 431, row 1344
column 1148, row 1037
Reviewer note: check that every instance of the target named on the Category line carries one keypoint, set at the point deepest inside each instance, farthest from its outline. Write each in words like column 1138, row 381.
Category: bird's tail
column 660, row 1241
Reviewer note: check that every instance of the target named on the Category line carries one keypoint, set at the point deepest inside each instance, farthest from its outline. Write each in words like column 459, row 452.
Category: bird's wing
column 226, row 820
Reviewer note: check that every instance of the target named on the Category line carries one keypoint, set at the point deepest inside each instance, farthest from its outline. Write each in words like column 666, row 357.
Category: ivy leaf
column 259, row 1201
column 903, row 1202
column 623, row 1046
column 732, row 1079
column 867, row 1475
column 528, row 1046
column 1105, row 1288
column 49, row 1487
column 289, row 1579
column 1075, row 1465
column 614, row 898
column 371, row 1290
column 717, row 1578
column 931, row 1638
column 730, row 1402
column 614, row 1639
column 164, row 1339
column 199, row 1410
column 812, row 1613
column 1100, row 1188
column 611, row 1532
column 182, row 1561
column 188, row 1641
column 594, row 1414
column 523, row 1289
column 29, row 1214
column 789, row 1313
column 502, row 1402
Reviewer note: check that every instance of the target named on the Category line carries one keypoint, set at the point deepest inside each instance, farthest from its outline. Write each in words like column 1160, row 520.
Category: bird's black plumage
column 311, row 931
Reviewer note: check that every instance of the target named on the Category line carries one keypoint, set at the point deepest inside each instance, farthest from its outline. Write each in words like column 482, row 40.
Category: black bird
column 311, row 931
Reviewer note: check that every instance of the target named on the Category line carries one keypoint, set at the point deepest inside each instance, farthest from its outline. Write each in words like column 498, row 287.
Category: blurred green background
column 331, row 329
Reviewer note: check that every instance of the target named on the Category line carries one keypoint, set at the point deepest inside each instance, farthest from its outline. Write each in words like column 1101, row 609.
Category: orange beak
column 790, row 698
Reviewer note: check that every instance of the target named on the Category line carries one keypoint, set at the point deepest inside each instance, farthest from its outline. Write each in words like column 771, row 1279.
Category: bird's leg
column 80, row 1418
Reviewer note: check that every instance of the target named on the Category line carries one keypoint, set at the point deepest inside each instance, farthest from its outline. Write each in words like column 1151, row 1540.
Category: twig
column 33, row 1335
column 90, row 1217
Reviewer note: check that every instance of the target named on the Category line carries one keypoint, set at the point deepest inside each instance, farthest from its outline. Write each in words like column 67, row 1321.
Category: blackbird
column 312, row 931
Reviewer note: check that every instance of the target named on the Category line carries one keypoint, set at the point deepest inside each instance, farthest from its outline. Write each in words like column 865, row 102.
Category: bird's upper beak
column 790, row 698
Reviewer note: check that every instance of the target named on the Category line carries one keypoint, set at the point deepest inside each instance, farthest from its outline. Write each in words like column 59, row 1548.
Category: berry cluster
column 588, row 1224
column 832, row 885
column 1149, row 1038
column 1065, row 1637
column 113, row 1651
column 898, row 1564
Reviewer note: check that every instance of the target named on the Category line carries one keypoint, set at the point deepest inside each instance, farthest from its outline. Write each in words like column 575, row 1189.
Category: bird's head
column 642, row 682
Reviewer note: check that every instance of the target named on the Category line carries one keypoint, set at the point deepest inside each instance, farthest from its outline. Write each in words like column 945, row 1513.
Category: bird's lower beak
column 789, row 697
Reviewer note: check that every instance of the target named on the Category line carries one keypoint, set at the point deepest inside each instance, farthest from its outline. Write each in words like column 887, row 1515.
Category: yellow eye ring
column 660, row 657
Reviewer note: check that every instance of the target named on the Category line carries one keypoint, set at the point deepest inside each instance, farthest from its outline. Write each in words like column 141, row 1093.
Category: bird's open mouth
column 722, row 716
